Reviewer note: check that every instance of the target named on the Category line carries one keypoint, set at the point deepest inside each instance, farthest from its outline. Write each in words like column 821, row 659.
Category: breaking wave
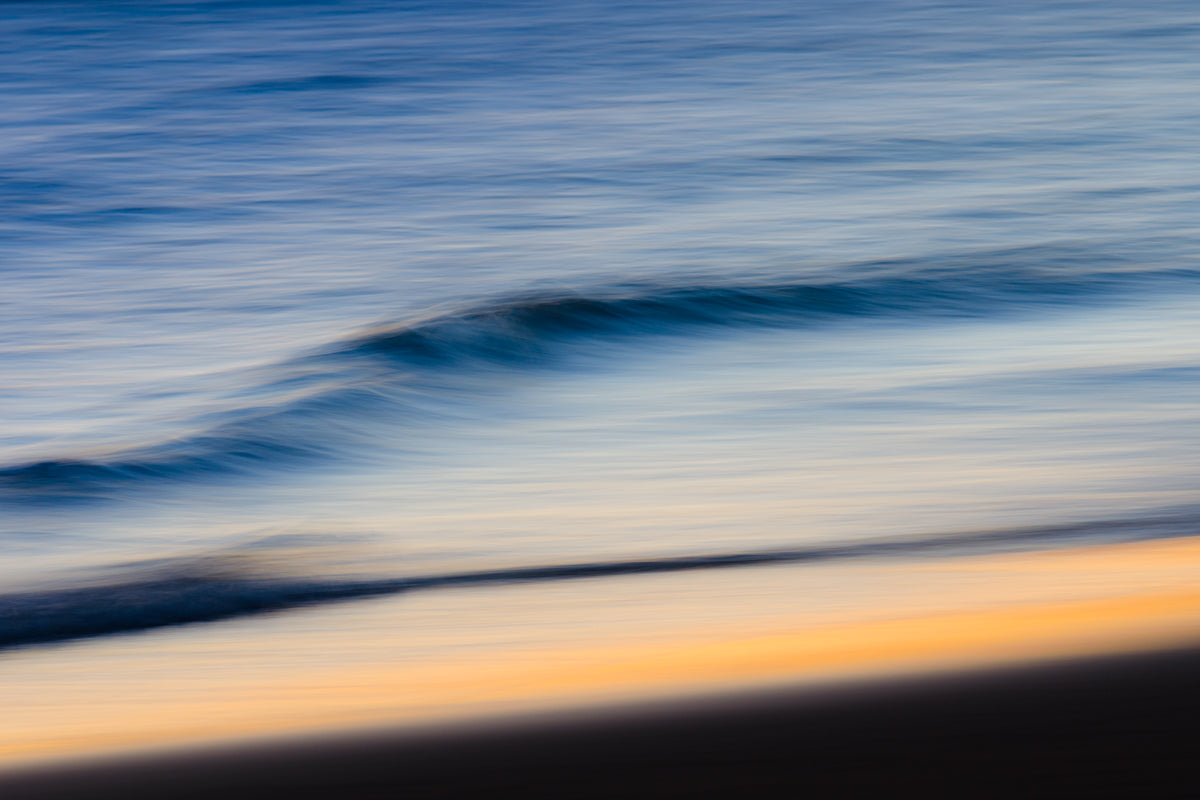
column 451, row 354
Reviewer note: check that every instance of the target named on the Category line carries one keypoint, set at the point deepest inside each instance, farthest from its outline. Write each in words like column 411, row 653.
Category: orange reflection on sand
column 1117, row 597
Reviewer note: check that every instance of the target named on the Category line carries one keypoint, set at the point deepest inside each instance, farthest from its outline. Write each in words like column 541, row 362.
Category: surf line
column 208, row 589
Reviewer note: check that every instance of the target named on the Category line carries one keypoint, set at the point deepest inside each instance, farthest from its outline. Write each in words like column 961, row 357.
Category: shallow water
column 310, row 303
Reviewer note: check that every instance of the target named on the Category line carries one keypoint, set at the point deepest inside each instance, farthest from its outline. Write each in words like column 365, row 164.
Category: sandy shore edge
column 1111, row 726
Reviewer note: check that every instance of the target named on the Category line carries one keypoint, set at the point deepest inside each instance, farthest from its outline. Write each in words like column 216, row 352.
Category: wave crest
column 451, row 354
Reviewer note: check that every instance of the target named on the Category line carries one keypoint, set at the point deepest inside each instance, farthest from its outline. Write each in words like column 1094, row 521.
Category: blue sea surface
column 304, row 302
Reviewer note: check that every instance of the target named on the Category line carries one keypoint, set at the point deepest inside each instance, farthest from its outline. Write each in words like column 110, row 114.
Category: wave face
column 464, row 353
column 208, row 589
column 529, row 329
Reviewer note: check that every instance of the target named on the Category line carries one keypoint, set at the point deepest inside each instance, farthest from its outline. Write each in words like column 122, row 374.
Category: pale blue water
column 455, row 291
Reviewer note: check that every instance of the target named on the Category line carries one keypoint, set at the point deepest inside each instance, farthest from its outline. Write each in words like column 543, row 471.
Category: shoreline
column 1112, row 726
column 963, row 619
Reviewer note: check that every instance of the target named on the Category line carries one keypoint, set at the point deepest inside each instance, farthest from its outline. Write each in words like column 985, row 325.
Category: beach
column 541, row 399
column 1121, row 726
column 1088, row 696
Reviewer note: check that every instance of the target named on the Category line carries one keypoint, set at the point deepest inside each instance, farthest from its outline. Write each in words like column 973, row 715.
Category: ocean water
column 324, row 308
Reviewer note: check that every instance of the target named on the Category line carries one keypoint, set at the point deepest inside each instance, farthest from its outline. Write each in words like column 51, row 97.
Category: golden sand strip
column 1107, row 613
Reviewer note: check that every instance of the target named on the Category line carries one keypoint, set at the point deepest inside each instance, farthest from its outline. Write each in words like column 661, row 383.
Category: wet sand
column 1113, row 726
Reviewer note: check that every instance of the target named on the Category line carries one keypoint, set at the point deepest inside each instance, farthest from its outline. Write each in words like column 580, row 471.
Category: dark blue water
column 474, row 292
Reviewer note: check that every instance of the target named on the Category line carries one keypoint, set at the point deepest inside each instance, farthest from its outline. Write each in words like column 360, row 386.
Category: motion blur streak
column 585, row 652
column 346, row 345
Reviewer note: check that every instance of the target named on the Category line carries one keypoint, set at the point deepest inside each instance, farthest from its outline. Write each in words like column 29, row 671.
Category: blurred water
column 424, row 288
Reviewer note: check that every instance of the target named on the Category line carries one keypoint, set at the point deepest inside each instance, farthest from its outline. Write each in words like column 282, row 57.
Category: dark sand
column 1118, row 726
